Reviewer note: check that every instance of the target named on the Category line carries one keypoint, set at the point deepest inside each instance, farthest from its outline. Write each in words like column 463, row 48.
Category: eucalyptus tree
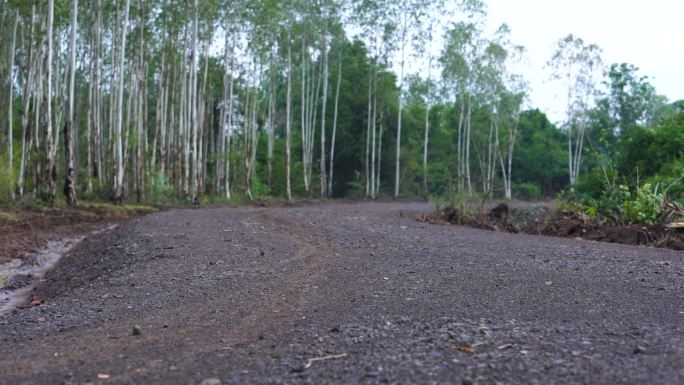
column 334, row 129
column 502, row 104
column 377, row 22
column 631, row 100
column 28, row 90
column 50, row 167
column 226, row 125
column 577, row 64
column 456, row 74
column 410, row 14
column 327, row 12
column 432, row 19
column 10, row 99
column 313, row 30
column 119, row 179
column 268, row 24
column 288, row 113
column 69, row 137
column 192, row 103
column 428, row 100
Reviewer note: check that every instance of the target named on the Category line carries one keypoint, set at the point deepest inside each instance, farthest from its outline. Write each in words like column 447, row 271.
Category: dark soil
column 545, row 220
column 346, row 294
column 24, row 231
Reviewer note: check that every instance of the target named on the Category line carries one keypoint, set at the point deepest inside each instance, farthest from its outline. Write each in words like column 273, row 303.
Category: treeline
column 183, row 99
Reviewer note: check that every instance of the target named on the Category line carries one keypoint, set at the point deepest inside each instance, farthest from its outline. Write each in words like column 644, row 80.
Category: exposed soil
column 544, row 219
column 346, row 294
column 25, row 231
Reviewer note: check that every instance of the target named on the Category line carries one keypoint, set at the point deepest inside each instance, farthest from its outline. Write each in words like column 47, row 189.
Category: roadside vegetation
column 239, row 101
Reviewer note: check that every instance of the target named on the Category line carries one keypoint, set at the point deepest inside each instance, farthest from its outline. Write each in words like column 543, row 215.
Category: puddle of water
column 42, row 262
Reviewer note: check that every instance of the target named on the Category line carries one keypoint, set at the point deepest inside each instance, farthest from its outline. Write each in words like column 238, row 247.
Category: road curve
column 347, row 293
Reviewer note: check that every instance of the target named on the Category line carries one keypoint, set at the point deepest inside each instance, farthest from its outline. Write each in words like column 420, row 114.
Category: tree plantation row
column 180, row 99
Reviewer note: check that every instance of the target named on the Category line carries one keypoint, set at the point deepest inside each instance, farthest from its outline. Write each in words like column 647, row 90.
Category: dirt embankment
column 27, row 230
column 546, row 220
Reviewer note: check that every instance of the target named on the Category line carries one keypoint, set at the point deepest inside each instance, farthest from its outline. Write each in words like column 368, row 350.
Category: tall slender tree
column 70, row 169
column 50, row 167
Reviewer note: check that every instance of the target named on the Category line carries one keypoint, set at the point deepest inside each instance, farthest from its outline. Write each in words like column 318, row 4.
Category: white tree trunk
column 50, row 169
column 119, row 184
column 26, row 103
column 10, row 117
column 323, row 176
column 427, row 125
column 334, row 131
column 288, row 111
column 70, row 171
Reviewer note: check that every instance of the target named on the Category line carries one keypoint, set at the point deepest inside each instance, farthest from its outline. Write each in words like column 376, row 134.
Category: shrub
column 527, row 191
column 644, row 205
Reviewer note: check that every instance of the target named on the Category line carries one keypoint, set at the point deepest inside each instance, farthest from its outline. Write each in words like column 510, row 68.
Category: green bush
column 527, row 191
column 160, row 190
column 7, row 182
column 644, row 205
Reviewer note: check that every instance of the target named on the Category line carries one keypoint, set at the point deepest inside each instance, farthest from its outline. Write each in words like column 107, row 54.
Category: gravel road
column 346, row 294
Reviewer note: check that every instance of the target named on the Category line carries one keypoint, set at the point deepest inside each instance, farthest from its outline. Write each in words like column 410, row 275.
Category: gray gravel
column 346, row 294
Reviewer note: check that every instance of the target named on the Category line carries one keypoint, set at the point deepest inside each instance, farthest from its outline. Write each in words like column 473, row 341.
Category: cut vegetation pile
column 545, row 220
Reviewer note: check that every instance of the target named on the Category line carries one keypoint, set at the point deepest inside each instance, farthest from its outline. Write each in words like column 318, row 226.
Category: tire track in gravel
column 250, row 295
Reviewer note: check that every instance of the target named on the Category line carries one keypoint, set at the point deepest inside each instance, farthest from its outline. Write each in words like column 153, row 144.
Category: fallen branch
column 312, row 360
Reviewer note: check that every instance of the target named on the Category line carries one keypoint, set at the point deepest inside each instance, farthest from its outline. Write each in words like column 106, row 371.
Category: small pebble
column 136, row 331
column 639, row 350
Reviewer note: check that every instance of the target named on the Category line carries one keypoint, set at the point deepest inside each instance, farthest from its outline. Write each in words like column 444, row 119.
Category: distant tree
column 576, row 64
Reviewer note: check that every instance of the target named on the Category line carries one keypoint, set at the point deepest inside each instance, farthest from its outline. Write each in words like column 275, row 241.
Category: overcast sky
column 648, row 34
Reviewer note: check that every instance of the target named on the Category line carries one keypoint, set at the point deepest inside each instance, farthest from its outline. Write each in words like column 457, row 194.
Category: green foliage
column 646, row 151
column 259, row 189
column 640, row 205
column 644, row 205
column 6, row 184
column 541, row 154
column 160, row 189
column 527, row 191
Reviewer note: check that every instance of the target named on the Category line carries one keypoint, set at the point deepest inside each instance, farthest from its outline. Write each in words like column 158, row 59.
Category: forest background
column 195, row 101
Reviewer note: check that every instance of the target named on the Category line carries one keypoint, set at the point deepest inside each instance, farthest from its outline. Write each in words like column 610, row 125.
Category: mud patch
column 18, row 278
column 24, row 232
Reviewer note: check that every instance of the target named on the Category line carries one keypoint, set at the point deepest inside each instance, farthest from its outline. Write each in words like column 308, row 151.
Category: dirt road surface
column 345, row 294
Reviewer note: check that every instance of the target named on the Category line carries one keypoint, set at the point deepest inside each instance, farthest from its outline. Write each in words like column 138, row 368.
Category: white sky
column 648, row 34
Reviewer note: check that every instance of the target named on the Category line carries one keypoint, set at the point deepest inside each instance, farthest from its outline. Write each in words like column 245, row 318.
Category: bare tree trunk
column 26, row 103
column 229, row 128
column 427, row 117
column 397, row 175
column 288, row 112
column 119, row 184
column 97, row 118
column 70, row 172
column 334, row 132
column 461, row 148
column 35, row 137
column 368, row 130
column 323, row 176
column 382, row 122
column 159, row 121
column 10, row 110
column 90, row 113
column 193, row 106
column 467, row 148
column 304, row 120
column 270, row 127
column 141, row 113
column 50, row 168
column 254, row 136
column 374, row 130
